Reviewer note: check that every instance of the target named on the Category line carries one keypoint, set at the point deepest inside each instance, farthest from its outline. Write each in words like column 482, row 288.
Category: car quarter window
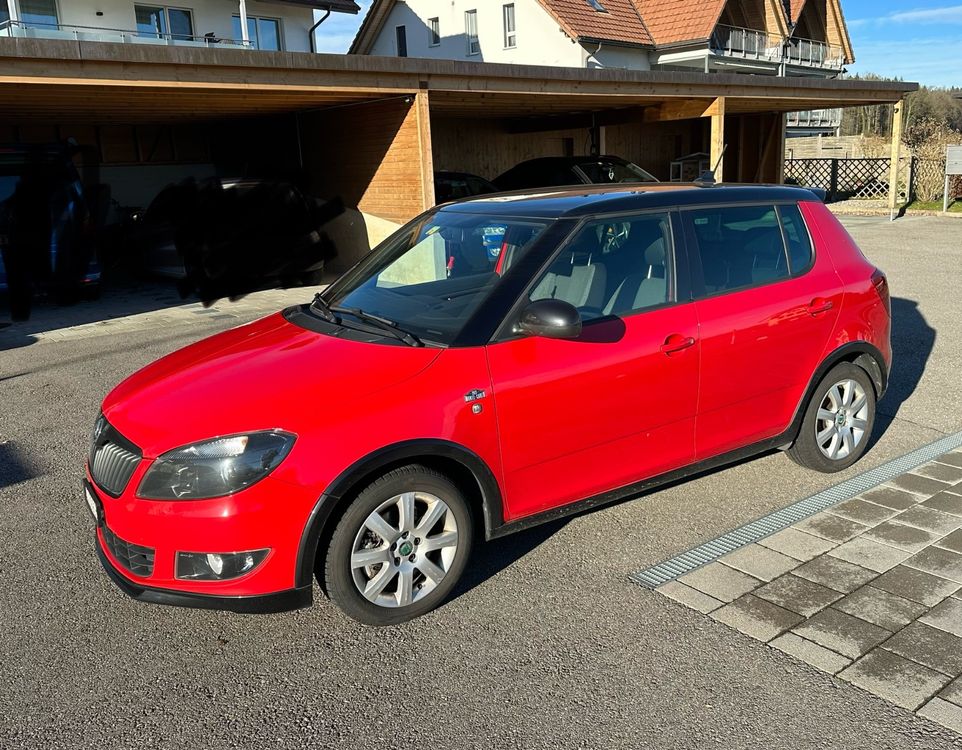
column 796, row 238
column 613, row 266
column 739, row 246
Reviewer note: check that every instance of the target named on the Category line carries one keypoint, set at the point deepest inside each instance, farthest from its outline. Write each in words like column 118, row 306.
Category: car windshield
column 430, row 279
column 602, row 172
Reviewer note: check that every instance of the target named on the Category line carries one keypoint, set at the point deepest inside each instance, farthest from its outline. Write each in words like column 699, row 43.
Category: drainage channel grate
column 780, row 519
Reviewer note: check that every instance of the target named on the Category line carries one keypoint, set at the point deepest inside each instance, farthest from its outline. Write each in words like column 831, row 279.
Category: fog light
column 204, row 566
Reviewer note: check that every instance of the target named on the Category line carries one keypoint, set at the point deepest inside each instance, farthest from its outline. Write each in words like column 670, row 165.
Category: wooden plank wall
column 369, row 155
column 485, row 148
column 653, row 146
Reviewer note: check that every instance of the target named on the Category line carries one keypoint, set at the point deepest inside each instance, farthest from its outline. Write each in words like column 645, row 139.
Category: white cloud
column 950, row 14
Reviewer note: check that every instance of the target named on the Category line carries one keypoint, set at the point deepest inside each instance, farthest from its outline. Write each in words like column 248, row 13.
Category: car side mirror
column 551, row 318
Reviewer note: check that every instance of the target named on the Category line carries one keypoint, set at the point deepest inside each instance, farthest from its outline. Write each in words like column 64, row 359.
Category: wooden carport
column 373, row 130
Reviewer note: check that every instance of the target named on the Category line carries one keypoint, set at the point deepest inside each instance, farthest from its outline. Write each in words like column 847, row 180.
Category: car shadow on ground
column 912, row 342
column 490, row 558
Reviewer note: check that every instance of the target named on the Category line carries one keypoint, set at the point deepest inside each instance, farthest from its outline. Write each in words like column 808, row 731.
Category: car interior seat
column 645, row 287
column 577, row 276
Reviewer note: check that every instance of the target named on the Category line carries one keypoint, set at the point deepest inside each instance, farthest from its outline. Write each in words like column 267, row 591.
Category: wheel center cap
column 840, row 418
column 405, row 549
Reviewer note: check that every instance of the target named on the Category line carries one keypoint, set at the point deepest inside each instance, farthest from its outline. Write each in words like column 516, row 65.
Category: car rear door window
column 796, row 238
column 739, row 246
column 615, row 266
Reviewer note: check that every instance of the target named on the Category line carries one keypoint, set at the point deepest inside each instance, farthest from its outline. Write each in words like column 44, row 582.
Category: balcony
column 751, row 44
column 94, row 34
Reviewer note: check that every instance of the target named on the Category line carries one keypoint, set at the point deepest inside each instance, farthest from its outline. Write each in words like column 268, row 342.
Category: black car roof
column 587, row 200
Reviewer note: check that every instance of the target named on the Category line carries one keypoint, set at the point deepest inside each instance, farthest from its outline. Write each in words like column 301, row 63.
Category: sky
column 915, row 40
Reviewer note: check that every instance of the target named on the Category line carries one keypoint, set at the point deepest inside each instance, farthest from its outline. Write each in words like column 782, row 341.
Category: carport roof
column 48, row 80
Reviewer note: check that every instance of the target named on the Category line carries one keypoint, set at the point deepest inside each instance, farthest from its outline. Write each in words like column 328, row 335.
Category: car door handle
column 819, row 305
column 676, row 342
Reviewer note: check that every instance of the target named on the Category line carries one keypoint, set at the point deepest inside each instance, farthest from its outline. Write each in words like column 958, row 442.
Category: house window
column 4, row 11
column 596, row 5
column 434, row 29
column 471, row 32
column 163, row 23
column 39, row 12
column 264, row 33
column 510, row 35
column 401, row 38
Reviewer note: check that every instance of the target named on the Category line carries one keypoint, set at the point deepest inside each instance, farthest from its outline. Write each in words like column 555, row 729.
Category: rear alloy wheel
column 838, row 421
column 400, row 547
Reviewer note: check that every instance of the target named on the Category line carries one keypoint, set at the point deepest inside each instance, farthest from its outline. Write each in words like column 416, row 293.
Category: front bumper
column 137, row 542
column 282, row 601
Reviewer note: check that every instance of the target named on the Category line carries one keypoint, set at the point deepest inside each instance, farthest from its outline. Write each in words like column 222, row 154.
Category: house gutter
column 594, row 54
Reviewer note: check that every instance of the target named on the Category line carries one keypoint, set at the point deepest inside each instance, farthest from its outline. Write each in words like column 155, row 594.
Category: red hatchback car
column 496, row 363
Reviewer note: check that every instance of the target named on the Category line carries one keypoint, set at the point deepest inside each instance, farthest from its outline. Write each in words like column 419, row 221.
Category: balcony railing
column 96, row 34
column 813, row 54
column 815, row 118
column 734, row 41
column 751, row 44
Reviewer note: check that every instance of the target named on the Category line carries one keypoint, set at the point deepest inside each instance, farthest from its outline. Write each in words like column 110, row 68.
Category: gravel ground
column 546, row 644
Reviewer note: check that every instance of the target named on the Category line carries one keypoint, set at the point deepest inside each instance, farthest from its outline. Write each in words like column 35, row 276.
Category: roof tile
column 621, row 22
column 670, row 21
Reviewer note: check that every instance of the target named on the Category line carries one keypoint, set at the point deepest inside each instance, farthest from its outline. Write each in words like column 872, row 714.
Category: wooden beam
column 894, row 165
column 423, row 111
column 682, row 109
column 718, row 139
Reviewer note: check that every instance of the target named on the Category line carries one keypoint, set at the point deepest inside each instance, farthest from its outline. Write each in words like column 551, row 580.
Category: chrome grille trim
column 113, row 460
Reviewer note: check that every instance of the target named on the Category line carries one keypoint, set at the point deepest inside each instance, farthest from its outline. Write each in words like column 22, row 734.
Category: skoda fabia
column 494, row 364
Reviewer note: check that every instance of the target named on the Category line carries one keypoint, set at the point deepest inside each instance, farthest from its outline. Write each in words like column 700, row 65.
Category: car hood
column 264, row 375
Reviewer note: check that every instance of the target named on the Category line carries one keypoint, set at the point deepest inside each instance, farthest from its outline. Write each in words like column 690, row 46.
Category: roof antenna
column 707, row 178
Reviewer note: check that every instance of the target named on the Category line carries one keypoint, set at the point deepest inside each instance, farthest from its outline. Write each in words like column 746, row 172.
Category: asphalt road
column 546, row 645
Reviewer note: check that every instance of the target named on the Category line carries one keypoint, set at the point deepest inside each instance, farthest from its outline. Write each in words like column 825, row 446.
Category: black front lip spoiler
column 282, row 601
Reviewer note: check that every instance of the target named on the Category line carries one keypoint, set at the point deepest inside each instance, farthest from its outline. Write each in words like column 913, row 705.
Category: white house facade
column 274, row 26
column 520, row 32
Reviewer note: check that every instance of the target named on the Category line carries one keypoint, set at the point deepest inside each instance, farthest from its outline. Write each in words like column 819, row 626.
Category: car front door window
column 612, row 267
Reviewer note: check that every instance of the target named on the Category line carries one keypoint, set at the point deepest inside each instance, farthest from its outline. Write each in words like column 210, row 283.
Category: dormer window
column 595, row 5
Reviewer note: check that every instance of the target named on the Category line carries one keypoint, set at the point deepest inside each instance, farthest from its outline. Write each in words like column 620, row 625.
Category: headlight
column 214, row 468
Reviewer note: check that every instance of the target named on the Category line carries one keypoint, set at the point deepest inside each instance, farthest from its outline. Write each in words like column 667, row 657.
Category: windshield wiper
column 324, row 309
column 382, row 323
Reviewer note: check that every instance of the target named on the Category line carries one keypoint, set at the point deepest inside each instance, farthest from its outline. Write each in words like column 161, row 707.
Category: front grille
column 113, row 458
column 138, row 560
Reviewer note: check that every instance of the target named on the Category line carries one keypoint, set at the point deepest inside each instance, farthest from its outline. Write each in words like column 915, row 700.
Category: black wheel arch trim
column 348, row 480
column 861, row 353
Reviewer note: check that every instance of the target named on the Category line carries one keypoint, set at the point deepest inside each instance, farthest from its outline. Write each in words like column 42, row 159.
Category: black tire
column 338, row 573
column 806, row 451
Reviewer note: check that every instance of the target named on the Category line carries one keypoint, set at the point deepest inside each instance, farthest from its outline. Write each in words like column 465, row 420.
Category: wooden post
column 780, row 144
column 717, row 112
column 422, row 108
column 894, row 166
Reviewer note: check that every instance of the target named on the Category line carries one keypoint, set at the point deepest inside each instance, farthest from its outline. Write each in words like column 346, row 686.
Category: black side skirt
column 282, row 601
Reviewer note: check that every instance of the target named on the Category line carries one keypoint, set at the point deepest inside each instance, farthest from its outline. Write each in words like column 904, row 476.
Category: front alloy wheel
column 400, row 547
column 404, row 549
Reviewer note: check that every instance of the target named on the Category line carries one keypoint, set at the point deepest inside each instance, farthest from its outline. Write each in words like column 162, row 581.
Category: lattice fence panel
column 855, row 179
column 928, row 179
column 815, row 173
